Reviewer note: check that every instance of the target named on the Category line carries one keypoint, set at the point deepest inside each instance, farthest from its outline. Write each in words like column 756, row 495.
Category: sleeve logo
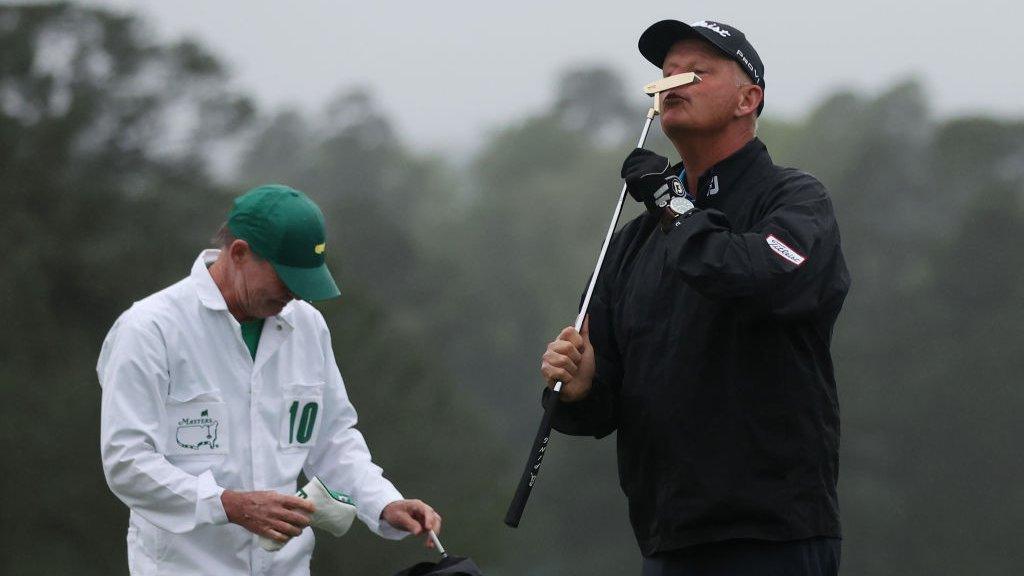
column 780, row 248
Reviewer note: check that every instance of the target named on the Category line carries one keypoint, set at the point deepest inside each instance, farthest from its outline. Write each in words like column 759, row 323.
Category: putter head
column 658, row 86
column 671, row 82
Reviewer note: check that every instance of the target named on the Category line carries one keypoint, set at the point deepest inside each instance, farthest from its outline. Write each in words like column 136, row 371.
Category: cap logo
column 713, row 26
column 749, row 65
column 319, row 248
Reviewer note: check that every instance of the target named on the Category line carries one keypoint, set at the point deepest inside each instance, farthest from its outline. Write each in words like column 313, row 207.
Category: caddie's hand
column 570, row 359
column 413, row 516
column 644, row 173
column 279, row 517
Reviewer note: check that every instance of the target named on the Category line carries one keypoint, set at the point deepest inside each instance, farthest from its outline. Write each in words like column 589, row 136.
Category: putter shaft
column 608, row 235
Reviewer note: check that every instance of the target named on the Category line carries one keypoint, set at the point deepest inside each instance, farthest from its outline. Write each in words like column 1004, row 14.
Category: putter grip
column 540, row 445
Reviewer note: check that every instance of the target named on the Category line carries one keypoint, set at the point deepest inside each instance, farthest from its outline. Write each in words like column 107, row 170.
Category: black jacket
column 712, row 340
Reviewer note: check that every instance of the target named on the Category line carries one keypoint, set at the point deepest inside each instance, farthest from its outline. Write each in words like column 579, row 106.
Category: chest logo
column 713, row 187
column 197, row 433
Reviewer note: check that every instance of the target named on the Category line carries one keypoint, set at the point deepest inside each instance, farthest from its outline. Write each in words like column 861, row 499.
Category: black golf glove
column 645, row 173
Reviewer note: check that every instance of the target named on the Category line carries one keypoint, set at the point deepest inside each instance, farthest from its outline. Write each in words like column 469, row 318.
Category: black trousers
column 811, row 557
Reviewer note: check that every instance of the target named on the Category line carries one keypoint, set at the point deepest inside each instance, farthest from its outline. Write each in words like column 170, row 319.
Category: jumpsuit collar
column 720, row 178
column 208, row 292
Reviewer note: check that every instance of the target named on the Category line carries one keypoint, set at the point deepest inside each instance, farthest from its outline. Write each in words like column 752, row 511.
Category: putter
column 540, row 441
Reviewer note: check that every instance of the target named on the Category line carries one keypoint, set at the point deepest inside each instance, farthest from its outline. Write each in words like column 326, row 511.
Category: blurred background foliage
column 455, row 274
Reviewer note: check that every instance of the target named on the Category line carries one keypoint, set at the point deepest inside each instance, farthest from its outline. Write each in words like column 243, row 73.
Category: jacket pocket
column 197, row 428
column 192, row 390
column 140, row 563
column 146, row 548
column 301, row 415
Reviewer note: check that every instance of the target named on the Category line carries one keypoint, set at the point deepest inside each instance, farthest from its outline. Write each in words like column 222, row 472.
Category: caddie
column 220, row 389
column 708, row 342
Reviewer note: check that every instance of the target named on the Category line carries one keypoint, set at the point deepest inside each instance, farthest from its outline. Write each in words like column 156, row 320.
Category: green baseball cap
column 286, row 228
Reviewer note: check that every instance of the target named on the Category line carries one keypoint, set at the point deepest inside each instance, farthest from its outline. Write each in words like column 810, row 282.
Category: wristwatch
column 673, row 196
column 680, row 205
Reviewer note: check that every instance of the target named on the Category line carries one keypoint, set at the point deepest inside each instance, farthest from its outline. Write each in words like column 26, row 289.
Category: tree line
column 454, row 277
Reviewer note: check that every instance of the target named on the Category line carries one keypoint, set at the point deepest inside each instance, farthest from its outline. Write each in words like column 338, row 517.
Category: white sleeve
column 341, row 458
column 133, row 373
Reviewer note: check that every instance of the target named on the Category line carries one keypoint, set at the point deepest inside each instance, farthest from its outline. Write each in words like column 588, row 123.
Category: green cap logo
column 280, row 224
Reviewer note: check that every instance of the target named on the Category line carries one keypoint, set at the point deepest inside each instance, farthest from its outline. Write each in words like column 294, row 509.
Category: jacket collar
column 722, row 177
column 208, row 292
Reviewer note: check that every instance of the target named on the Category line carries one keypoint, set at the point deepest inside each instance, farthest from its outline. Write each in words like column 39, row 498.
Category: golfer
column 220, row 389
column 707, row 347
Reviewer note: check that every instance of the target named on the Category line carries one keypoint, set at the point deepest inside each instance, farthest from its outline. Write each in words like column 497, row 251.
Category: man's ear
column 239, row 250
column 751, row 96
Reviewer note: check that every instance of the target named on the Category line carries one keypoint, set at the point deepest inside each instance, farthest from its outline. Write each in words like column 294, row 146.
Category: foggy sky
column 448, row 71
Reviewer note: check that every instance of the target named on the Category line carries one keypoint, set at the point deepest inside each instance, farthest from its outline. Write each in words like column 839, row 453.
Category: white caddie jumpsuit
column 188, row 413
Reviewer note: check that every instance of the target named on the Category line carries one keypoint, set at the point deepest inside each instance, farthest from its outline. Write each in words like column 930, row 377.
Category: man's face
column 259, row 291
column 705, row 107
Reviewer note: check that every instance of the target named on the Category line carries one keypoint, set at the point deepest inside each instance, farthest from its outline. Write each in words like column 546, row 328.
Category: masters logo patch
column 197, row 428
column 195, row 433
